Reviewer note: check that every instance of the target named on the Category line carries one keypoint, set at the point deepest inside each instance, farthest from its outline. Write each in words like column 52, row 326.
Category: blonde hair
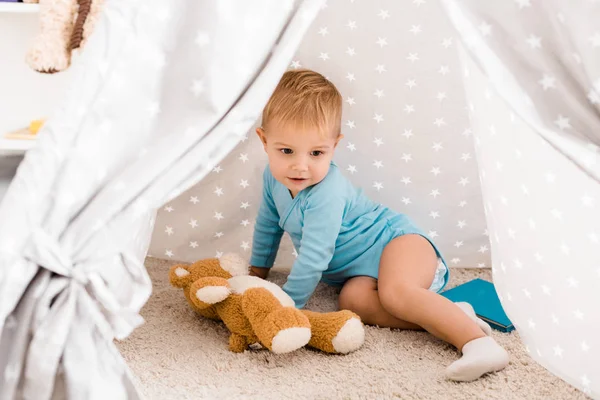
column 305, row 99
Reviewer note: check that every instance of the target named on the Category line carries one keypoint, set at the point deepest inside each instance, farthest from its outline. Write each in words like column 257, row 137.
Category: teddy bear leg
column 238, row 343
column 280, row 329
column 335, row 332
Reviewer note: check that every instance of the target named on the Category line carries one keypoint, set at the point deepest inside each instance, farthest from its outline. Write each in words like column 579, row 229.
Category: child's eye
column 316, row 153
column 286, row 151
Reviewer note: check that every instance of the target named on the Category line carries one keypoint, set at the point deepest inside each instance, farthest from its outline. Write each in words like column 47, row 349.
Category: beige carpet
column 178, row 355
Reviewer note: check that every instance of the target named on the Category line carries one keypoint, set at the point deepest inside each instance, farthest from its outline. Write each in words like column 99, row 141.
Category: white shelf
column 19, row 8
column 15, row 146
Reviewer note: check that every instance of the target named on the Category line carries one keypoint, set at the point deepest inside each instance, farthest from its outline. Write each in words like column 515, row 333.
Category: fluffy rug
column 178, row 355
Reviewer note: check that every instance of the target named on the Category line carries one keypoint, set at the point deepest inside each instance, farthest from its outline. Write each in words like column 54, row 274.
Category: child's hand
column 260, row 272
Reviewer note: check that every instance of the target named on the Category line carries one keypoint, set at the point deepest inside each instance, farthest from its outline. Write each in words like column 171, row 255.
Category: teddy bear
column 257, row 311
column 64, row 27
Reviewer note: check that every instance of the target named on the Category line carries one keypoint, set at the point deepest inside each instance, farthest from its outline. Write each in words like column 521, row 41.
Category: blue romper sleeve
column 267, row 232
column 322, row 221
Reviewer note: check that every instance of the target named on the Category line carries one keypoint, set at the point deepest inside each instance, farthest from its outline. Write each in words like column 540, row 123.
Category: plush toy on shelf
column 65, row 26
column 257, row 311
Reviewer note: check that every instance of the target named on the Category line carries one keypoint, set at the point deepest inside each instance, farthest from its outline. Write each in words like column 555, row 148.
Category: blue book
column 484, row 299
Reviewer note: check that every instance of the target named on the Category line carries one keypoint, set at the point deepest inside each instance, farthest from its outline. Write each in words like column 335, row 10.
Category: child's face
column 298, row 159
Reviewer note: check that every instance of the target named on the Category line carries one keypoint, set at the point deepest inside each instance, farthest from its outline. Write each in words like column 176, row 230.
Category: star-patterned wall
column 407, row 138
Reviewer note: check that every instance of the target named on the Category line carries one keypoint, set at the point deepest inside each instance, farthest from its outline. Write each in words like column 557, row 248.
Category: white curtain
column 163, row 91
column 532, row 73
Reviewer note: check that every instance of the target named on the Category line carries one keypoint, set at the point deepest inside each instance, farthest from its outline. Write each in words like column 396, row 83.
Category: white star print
column 523, row 3
column 352, row 169
column 378, row 185
column 350, row 77
column 406, row 157
column 437, row 146
column 408, row 133
column 244, row 183
column 218, row 216
column 245, row 205
column 219, row 234
column 444, row 70
column 296, row 64
column 193, row 245
column 563, row 122
column 435, row 193
column 548, row 82
column 378, row 164
column 447, row 42
column 412, row 57
column 435, row 171
column 434, row 214
column 194, row 199
column 350, row 51
column 350, row 100
column 169, row 253
column 406, row 200
column 351, row 24
column 378, row 118
column 411, row 83
column 462, row 203
column 578, row 314
column 415, row 29
column 534, row 41
column 350, row 124
column 323, row 31
column 351, row 146
column 587, row 201
column 245, row 245
column 193, row 223
column 409, row 108
column 461, row 224
column 418, row 2
column 458, row 244
column 382, row 42
column 483, row 249
column 584, row 346
column 465, row 156
column 378, row 93
column 441, row 96
column 169, row 230
column 169, row 209
column 324, row 56
column 217, row 169
column 245, row 222
column 218, row 191
column 219, row 254
column 378, row 141
column 243, row 157
column 439, row 122
column 383, row 14
column 464, row 181
column 380, row 68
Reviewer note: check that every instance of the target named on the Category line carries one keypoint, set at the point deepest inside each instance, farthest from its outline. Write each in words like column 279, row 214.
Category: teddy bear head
column 226, row 266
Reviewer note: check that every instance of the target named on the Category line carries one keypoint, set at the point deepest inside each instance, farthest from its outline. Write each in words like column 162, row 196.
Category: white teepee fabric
column 155, row 103
column 407, row 140
column 532, row 73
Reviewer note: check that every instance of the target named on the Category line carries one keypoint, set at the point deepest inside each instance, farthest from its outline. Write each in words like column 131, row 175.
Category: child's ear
column 263, row 138
column 337, row 140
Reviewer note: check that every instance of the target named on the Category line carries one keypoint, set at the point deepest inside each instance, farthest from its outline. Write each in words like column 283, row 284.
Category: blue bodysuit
column 337, row 231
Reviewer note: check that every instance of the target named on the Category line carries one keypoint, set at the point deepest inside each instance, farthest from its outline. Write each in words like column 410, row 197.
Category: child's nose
column 300, row 164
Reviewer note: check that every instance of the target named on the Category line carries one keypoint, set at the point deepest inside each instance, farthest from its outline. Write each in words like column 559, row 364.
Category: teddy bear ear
column 234, row 264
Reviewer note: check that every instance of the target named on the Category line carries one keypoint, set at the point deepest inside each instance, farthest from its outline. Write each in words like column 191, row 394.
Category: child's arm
column 267, row 234
column 322, row 223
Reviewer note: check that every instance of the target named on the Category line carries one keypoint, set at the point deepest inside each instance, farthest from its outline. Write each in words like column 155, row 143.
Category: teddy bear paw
column 350, row 337
column 290, row 339
column 213, row 294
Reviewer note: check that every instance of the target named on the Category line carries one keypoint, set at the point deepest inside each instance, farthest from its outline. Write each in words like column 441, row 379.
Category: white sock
column 468, row 309
column 480, row 356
